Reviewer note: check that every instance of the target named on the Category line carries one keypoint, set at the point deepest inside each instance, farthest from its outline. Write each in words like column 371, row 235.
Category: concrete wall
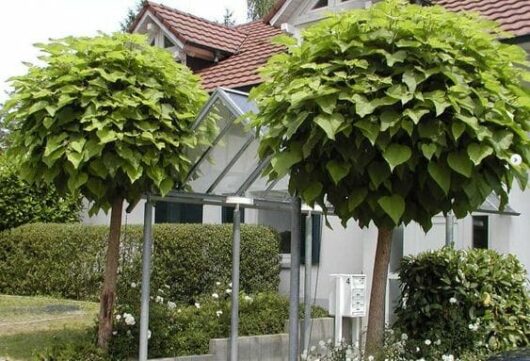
column 262, row 347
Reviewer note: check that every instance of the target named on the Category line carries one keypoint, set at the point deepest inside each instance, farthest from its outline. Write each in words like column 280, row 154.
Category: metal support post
column 294, row 292
column 307, row 279
column 449, row 229
column 234, row 315
column 338, row 309
column 146, row 279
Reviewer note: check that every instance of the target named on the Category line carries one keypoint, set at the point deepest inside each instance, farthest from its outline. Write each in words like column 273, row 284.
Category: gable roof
column 242, row 69
column 191, row 29
column 512, row 15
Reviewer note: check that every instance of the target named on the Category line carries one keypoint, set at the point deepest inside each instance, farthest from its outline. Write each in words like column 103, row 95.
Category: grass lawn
column 31, row 324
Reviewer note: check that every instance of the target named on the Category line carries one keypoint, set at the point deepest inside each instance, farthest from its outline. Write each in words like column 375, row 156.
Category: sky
column 26, row 22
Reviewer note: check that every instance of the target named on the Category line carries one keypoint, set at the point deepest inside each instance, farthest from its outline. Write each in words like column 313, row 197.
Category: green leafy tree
column 228, row 18
column 395, row 114
column 258, row 8
column 109, row 117
column 131, row 15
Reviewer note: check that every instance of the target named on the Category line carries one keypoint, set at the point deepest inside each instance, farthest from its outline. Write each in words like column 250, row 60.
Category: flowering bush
column 473, row 301
column 178, row 329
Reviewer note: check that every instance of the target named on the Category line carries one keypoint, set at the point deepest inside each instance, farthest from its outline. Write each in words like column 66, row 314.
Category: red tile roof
column 242, row 69
column 512, row 15
column 195, row 30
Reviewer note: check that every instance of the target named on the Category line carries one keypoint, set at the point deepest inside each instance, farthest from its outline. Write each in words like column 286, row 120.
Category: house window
column 168, row 212
column 320, row 4
column 168, row 43
column 281, row 221
column 227, row 215
column 480, row 231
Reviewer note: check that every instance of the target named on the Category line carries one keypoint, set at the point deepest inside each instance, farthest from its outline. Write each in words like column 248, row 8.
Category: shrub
column 473, row 301
column 67, row 260
column 22, row 203
column 79, row 351
column 178, row 329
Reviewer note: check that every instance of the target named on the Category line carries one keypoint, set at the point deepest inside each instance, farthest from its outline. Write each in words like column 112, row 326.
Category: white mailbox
column 348, row 299
column 351, row 289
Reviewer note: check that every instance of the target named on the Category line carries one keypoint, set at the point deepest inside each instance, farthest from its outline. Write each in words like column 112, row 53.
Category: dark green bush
column 80, row 351
column 21, row 203
column 178, row 330
column 471, row 301
column 67, row 260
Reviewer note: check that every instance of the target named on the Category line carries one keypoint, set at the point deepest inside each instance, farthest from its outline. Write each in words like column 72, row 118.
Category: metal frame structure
column 264, row 196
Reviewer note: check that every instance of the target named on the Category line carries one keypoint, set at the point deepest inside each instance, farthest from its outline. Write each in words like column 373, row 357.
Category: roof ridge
column 152, row 3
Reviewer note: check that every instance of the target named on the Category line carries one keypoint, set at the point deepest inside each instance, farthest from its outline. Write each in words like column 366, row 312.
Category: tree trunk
column 376, row 315
column 108, row 293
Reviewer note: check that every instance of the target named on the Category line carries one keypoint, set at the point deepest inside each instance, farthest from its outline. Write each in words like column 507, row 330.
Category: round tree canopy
column 396, row 113
column 108, row 116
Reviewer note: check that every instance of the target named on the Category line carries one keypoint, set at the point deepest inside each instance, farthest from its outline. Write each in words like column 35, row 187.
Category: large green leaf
column 396, row 154
column 477, row 152
column 338, row 170
column 441, row 175
column 330, row 123
column 460, row 162
column 283, row 162
column 394, row 206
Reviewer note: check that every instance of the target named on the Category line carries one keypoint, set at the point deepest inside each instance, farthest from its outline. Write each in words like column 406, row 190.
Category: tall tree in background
column 259, row 8
column 228, row 18
column 395, row 114
column 110, row 118
column 131, row 15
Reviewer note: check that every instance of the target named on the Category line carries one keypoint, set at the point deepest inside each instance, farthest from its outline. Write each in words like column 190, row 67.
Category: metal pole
column 307, row 279
column 449, row 229
column 146, row 278
column 234, row 315
column 294, row 292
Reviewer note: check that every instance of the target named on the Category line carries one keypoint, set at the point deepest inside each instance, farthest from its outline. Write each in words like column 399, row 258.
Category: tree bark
column 108, row 293
column 376, row 315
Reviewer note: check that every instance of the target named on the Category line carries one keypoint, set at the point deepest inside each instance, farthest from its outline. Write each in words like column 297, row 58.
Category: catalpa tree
column 110, row 118
column 395, row 114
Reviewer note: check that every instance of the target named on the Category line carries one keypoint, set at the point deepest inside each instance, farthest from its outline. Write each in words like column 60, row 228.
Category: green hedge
column 67, row 260
column 21, row 203
column 473, row 300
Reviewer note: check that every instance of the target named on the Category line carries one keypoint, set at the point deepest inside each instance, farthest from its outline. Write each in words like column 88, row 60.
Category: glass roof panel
column 231, row 164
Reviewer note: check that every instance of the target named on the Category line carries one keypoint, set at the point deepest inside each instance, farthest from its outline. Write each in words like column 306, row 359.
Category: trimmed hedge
column 472, row 301
column 21, row 203
column 67, row 260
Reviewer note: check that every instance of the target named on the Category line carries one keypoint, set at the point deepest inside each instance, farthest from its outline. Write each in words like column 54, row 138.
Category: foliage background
column 21, row 203
column 67, row 260
column 490, row 309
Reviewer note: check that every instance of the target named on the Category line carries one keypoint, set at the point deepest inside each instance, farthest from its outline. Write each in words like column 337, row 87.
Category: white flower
column 370, row 358
column 516, row 159
column 312, row 349
column 171, row 305
column 228, row 290
column 404, row 337
column 159, row 299
column 421, row 359
column 321, row 343
column 197, row 304
column 248, row 299
column 448, row 358
column 230, row 285
column 303, row 356
column 453, row 300
column 133, row 285
column 118, row 317
column 219, row 313
column 217, row 283
column 179, row 310
column 215, row 295
column 148, row 334
column 438, row 342
column 114, row 333
column 473, row 327
column 129, row 319
column 167, row 286
column 417, row 349
column 428, row 342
